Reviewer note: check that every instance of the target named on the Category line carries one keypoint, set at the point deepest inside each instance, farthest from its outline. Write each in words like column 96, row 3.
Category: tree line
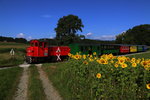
column 10, row 39
column 137, row 35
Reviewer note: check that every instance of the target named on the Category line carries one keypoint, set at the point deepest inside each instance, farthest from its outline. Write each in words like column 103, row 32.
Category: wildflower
column 94, row 53
column 85, row 62
column 103, row 61
column 69, row 54
column 84, row 56
column 98, row 75
column 112, row 61
column 148, row 86
column 116, row 65
column 128, row 59
column 91, row 56
column 138, row 61
column 95, row 58
column 143, row 63
column 77, row 57
column 121, row 61
column 110, row 56
column 134, row 64
column 133, row 60
column 147, row 67
column 124, row 65
column 90, row 59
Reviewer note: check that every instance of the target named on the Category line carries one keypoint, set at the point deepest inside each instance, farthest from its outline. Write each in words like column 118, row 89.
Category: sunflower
column 98, row 75
column 134, row 64
column 143, row 63
column 112, row 61
column 133, row 60
column 121, row 60
column 148, row 86
column 84, row 56
column 85, row 62
column 94, row 53
column 103, row 61
column 116, row 65
column 147, row 67
column 90, row 59
column 69, row 54
column 124, row 65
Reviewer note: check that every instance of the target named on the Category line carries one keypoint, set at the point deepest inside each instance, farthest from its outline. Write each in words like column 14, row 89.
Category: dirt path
column 21, row 93
column 51, row 93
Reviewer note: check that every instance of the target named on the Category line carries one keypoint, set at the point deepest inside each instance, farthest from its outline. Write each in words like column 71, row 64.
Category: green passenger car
column 140, row 48
column 107, row 49
column 85, row 48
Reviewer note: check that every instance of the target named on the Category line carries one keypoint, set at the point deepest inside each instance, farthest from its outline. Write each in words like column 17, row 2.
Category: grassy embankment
column 9, row 79
column 75, row 79
column 6, row 59
column 35, row 89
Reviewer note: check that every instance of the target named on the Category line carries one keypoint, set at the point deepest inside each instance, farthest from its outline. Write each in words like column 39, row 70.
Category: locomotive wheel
column 29, row 60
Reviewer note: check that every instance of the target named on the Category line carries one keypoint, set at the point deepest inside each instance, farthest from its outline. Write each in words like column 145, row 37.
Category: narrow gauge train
column 106, row 48
column 39, row 51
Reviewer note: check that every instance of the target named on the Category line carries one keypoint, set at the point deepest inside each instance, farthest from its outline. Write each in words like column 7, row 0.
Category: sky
column 102, row 19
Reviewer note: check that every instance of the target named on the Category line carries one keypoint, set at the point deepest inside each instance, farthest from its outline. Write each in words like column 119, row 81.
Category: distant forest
column 54, row 41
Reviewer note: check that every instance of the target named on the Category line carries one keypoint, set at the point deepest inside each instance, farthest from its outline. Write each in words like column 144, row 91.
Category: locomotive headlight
column 29, row 51
column 46, row 53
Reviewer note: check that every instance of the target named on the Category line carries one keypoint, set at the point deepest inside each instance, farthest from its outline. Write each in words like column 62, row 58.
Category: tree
column 67, row 27
column 137, row 35
column 20, row 40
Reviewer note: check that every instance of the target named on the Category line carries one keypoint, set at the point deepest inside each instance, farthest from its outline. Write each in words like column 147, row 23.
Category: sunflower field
column 108, row 77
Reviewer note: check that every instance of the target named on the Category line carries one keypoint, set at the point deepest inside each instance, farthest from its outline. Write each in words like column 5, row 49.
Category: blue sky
column 103, row 19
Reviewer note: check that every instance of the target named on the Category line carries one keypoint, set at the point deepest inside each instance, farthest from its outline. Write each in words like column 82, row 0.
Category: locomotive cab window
column 36, row 44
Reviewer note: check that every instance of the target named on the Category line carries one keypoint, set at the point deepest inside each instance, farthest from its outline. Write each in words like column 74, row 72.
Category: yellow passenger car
column 133, row 49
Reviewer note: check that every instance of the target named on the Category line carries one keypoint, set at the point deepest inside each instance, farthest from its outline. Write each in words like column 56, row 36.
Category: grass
column 74, row 80
column 35, row 89
column 143, row 55
column 54, row 71
column 6, row 59
column 9, row 79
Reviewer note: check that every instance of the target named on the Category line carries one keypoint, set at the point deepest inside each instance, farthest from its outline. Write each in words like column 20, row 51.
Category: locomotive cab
column 37, row 51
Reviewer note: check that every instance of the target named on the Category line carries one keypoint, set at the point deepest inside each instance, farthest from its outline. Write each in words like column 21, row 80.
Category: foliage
column 137, row 35
column 9, row 79
column 35, row 89
column 20, row 40
column 67, row 27
column 10, row 39
column 108, row 77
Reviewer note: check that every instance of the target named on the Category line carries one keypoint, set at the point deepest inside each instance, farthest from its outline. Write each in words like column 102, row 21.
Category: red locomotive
column 39, row 51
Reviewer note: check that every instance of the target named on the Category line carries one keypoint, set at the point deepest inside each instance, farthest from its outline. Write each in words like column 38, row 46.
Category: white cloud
column 51, row 37
column 46, row 16
column 89, row 34
column 20, row 35
column 29, row 38
column 106, row 37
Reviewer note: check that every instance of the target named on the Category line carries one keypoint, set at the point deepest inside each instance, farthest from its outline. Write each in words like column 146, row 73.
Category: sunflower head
column 85, row 62
column 98, row 75
column 124, row 65
column 134, row 64
column 148, row 86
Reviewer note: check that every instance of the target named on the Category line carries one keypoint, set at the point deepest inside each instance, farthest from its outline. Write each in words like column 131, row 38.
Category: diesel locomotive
column 40, row 51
